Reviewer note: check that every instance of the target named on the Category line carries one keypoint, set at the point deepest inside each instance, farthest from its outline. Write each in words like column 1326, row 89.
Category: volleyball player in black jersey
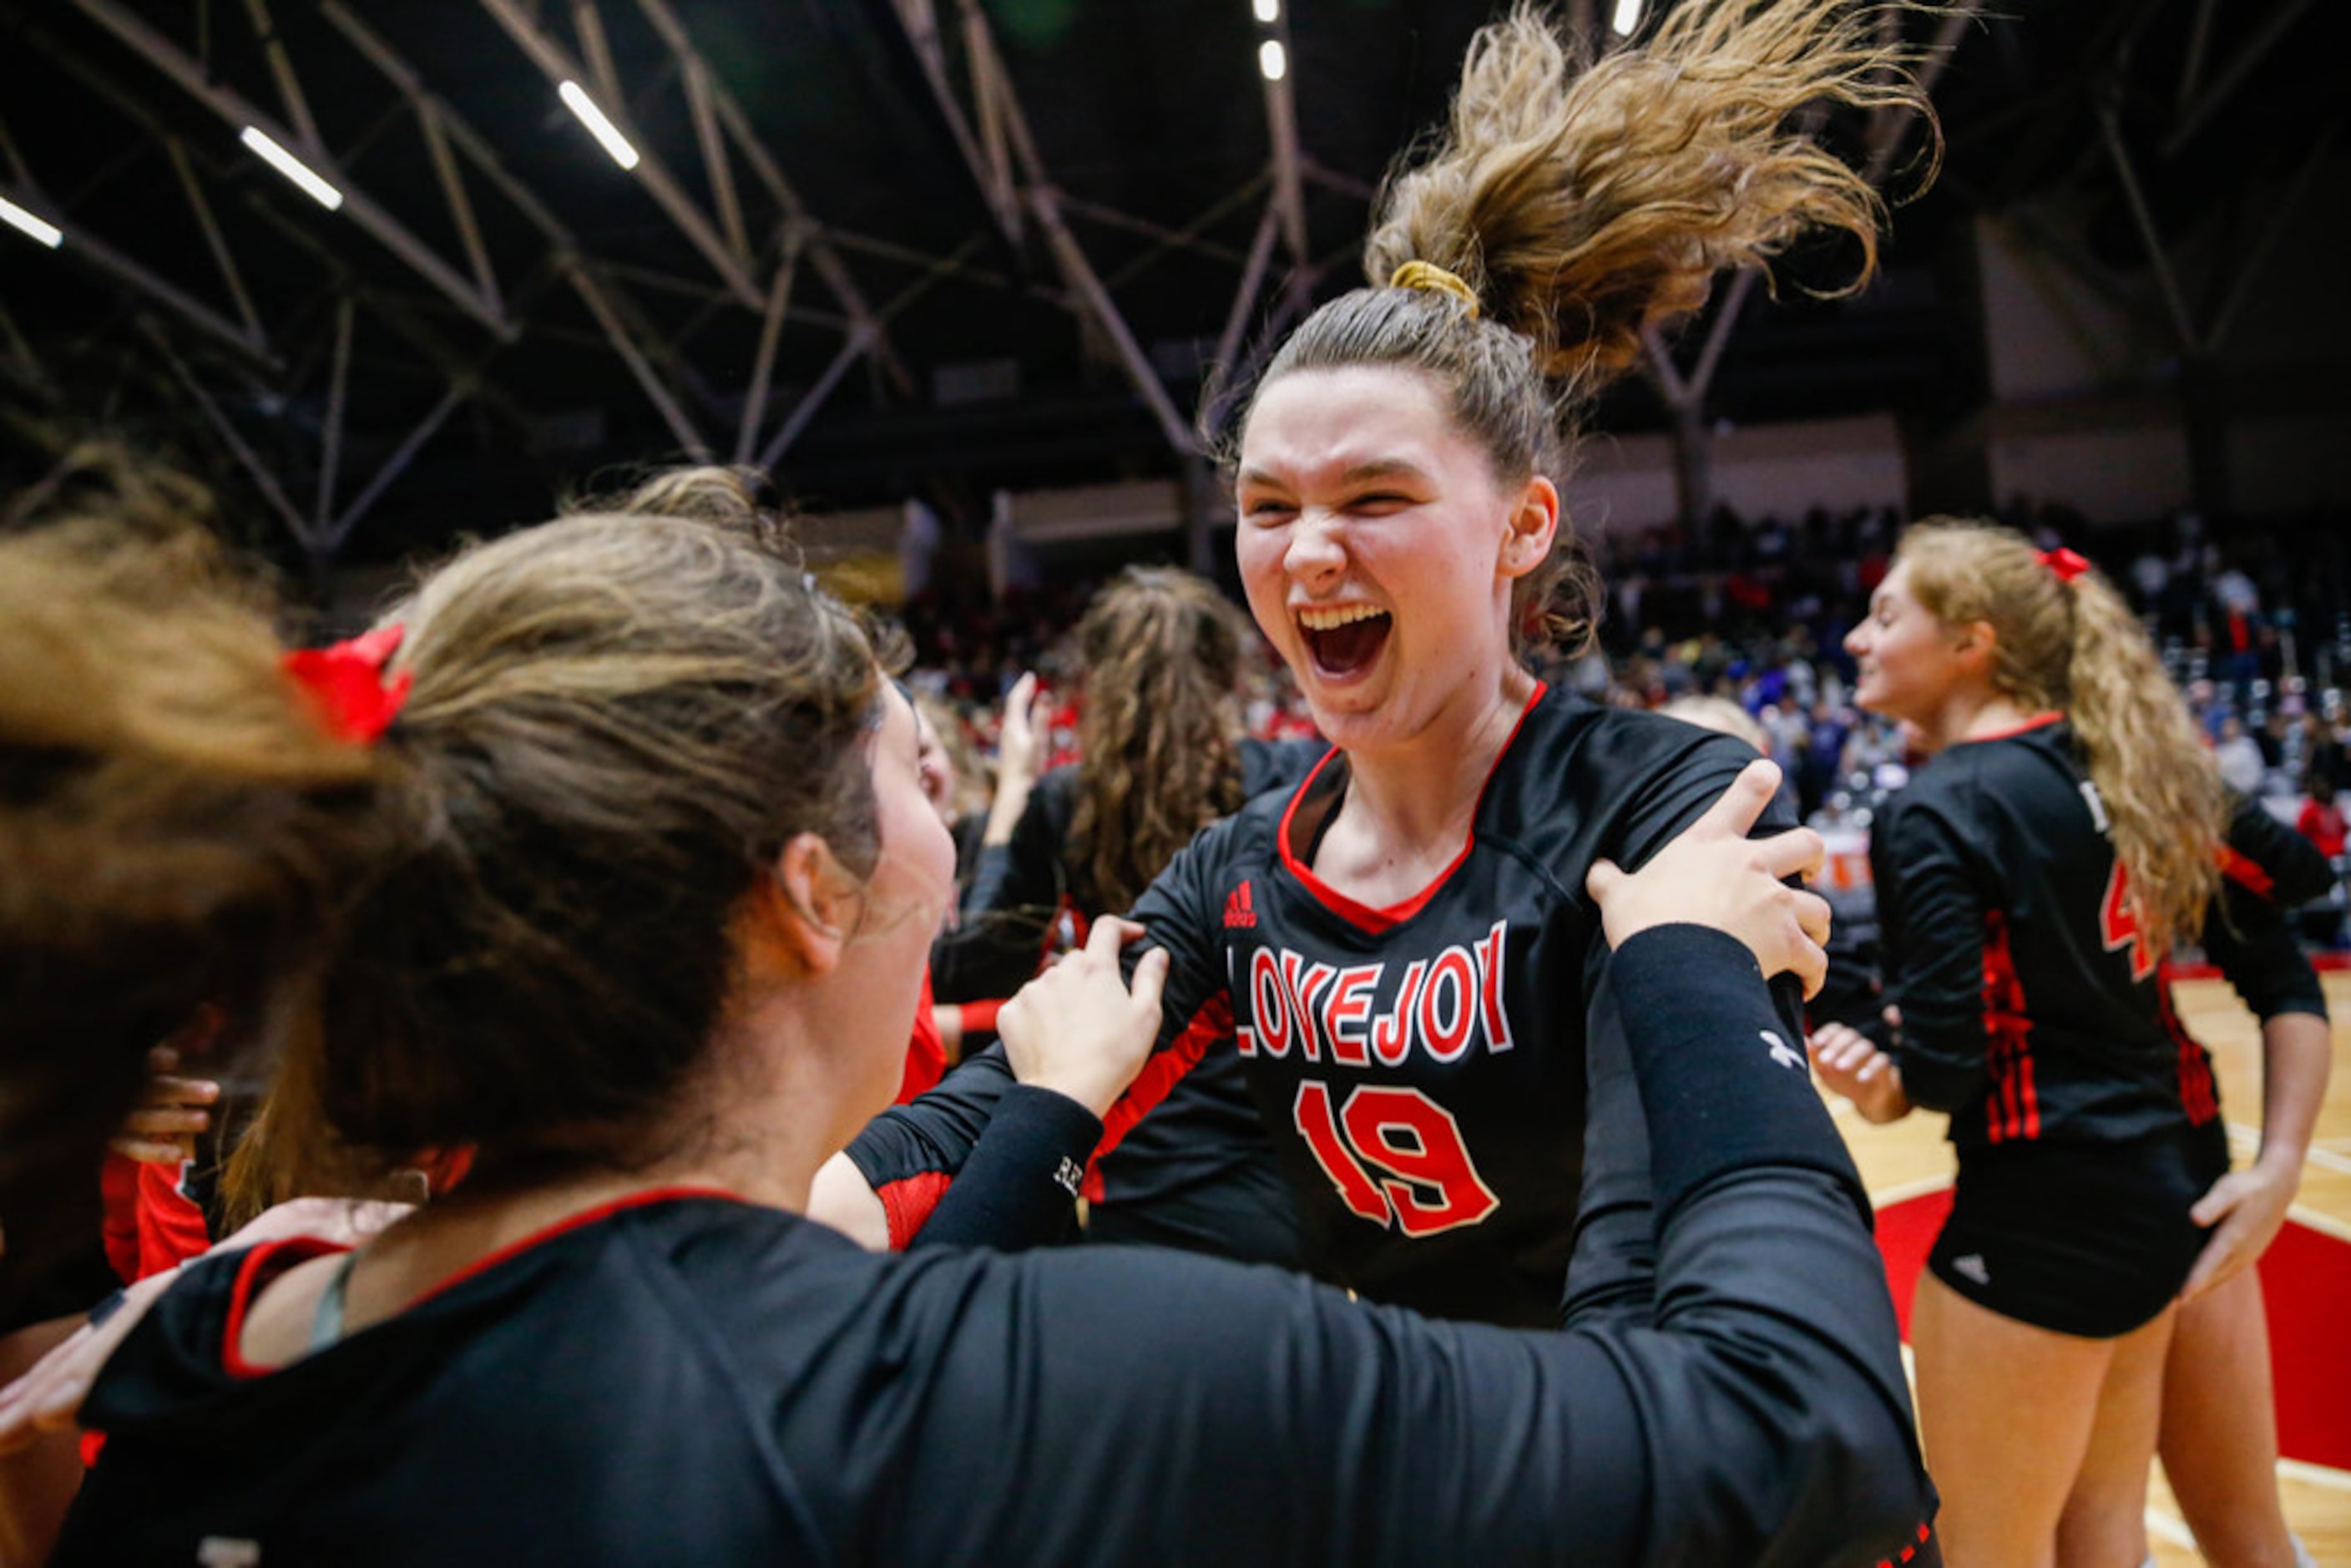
column 1399, row 954
column 2031, row 879
column 618, row 1341
column 1162, row 755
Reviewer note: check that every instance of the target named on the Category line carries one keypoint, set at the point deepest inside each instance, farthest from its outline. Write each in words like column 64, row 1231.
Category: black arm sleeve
column 1140, row 1406
column 912, row 1154
column 1610, row 1269
column 2269, row 868
column 1019, row 1187
column 2271, row 859
column 1930, row 909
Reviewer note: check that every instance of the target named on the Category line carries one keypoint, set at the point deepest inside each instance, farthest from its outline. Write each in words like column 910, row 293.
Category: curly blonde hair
column 1586, row 203
column 2076, row 646
column 1159, row 738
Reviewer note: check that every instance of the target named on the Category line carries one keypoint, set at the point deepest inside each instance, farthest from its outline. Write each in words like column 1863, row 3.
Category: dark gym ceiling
column 1008, row 235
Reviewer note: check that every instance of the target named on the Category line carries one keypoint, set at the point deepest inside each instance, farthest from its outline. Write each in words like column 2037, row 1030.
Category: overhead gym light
column 293, row 168
column 575, row 98
column 26, row 224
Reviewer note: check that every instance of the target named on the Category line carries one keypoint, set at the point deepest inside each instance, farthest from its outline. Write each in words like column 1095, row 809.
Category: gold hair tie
column 1428, row 274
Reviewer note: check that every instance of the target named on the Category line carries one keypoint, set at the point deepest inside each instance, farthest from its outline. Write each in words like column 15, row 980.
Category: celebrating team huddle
column 595, row 896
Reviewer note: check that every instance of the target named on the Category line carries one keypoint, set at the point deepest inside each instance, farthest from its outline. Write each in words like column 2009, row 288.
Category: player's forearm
column 2297, row 1054
column 1012, row 799
column 1762, row 1237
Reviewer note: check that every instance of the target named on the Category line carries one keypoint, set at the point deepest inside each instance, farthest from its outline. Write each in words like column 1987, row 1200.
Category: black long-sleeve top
column 2031, row 1006
column 1418, row 1070
column 687, row 1377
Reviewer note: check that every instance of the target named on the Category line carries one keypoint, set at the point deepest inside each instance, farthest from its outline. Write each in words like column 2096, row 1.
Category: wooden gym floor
column 1910, row 1157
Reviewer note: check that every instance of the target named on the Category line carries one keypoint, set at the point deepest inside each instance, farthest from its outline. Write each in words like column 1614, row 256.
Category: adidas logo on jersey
column 1972, row 1266
column 1241, row 907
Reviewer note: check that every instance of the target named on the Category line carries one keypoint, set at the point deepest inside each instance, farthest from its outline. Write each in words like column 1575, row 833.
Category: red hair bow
column 346, row 685
column 2064, row 563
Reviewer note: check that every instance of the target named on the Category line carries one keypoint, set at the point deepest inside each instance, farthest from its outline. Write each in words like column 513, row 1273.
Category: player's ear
column 1975, row 642
column 1534, row 524
column 805, row 910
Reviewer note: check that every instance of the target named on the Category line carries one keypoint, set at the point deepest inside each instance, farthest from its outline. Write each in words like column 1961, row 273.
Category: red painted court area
column 2306, row 1282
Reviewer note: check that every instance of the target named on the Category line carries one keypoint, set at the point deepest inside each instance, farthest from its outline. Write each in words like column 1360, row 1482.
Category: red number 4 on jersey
column 2119, row 926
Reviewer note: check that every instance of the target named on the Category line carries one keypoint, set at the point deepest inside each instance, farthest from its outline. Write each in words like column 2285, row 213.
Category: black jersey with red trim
column 683, row 1377
column 1197, row 1173
column 2031, row 1006
column 1023, row 886
column 1419, row 1070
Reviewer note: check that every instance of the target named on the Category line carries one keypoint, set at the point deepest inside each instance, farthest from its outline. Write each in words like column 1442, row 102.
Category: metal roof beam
column 1261, row 253
column 80, row 242
column 1282, row 130
column 396, row 465
column 655, row 389
column 992, row 88
column 557, row 65
column 339, row 379
column 263, row 479
column 199, row 83
column 1080, row 273
column 223, row 258
column 823, row 257
column 2233, row 76
column 859, row 343
column 993, row 176
column 281, row 68
column 771, row 327
column 461, row 205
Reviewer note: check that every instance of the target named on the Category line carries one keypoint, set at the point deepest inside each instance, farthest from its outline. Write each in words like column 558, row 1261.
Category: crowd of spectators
column 2254, row 621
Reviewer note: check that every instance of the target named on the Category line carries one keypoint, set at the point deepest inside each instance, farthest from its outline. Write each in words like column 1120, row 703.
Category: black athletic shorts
column 2083, row 1239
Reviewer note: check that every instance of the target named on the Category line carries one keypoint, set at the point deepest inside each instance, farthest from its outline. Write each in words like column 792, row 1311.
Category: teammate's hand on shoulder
column 1078, row 1028
column 1713, row 875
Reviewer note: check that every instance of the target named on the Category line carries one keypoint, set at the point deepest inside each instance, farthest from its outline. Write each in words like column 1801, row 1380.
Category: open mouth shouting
column 1343, row 638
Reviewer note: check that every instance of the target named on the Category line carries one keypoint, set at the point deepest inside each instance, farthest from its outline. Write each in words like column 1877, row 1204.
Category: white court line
column 1908, row 1190
column 2169, row 1530
column 2325, row 1224
column 2325, row 1476
column 2242, row 1137
column 2327, row 1159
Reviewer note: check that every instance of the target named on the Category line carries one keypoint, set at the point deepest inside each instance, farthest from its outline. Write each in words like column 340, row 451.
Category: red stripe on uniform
column 2197, row 1096
column 1363, row 915
column 2012, row 1110
column 2246, row 873
column 907, row 1203
column 1159, row 1075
